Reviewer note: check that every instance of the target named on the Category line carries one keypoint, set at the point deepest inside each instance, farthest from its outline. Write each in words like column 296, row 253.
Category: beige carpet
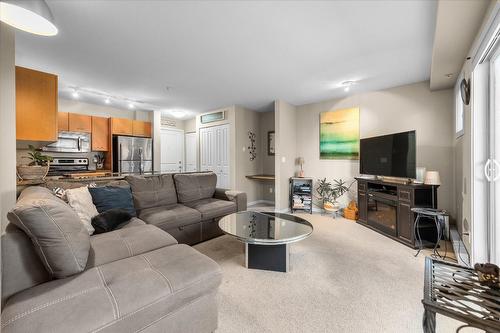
column 344, row 278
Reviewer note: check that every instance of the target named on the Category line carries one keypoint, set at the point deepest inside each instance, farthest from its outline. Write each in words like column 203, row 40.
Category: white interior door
column 214, row 153
column 191, row 160
column 172, row 150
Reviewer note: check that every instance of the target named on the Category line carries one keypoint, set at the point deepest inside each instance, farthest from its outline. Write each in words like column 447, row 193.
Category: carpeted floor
column 343, row 278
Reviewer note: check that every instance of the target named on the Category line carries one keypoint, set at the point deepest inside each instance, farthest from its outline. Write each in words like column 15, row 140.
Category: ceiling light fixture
column 75, row 93
column 131, row 105
column 347, row 85
column 178, row 113
column 33, row 16
column 107, row 100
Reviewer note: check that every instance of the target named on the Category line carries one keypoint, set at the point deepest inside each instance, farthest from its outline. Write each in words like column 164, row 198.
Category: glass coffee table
column 267, row 237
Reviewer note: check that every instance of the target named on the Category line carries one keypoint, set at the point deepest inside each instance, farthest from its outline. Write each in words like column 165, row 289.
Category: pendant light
column 33, row 16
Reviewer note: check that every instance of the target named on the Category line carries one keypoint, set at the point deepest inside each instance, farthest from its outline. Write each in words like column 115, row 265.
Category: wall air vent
column 211, row 117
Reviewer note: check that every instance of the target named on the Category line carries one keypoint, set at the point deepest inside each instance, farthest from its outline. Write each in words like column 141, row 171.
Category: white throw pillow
column 81, row 201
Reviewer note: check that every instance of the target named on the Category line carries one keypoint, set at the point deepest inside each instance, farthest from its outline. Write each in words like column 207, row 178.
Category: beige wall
column 285, row 121
column 7, row 121
column 247, row 121
column 190, row 125
column 404, row 108
column 266, row 124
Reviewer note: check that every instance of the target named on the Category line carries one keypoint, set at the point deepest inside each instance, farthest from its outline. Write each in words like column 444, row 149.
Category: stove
column 63, row 165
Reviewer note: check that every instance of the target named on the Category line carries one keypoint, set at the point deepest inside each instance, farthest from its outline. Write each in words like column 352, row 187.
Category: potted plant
column 37, row 168
column 329, row 193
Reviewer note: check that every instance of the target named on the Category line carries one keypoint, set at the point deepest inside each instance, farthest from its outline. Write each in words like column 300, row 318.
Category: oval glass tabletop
column 265, row 228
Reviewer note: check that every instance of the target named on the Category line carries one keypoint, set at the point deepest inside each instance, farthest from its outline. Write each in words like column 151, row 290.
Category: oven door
column 382, row 214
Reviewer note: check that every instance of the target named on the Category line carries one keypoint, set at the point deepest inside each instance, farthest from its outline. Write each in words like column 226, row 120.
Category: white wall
column 404, row 108
column 7, row 121
column 285, row 127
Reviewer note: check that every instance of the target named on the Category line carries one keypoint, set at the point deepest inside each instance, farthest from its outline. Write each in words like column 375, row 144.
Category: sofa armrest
column 238, row 197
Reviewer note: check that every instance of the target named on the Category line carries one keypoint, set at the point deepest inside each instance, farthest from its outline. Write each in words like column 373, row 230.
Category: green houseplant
column 37, row 168
column 329, row 193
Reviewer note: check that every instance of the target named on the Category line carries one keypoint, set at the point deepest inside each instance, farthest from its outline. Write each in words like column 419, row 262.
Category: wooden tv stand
column 386, row 208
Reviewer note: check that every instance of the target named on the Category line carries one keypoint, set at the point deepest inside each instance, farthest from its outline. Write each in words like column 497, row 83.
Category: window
column 459, row 111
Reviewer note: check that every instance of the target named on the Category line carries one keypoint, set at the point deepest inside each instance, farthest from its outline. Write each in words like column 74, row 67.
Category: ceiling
column 198, row 56
column 453, row 39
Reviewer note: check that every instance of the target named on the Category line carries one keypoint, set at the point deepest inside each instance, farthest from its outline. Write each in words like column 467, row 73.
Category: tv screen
column 389, row 155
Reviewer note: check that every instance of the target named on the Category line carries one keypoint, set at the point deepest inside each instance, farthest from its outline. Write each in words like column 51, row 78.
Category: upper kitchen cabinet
column 63, row 121
column 121, row 126
column 141, row 128
column 79, row 123
column 100, row 134
column 36, row 106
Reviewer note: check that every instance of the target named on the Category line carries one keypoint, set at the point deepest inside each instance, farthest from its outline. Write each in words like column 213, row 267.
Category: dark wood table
column 455, row 291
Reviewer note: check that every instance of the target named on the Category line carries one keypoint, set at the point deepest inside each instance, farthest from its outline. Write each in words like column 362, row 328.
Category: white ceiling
column 213, row 54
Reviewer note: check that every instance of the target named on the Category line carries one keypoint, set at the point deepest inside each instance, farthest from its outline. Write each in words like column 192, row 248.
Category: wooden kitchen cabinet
column 63, row 121
column 121, row 126
column 80, row 123
column 141, row 128
column 36, row 105
column 100, row 134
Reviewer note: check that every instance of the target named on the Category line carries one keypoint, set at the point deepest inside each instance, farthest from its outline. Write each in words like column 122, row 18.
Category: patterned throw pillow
column 61, row 192
column 81, row 201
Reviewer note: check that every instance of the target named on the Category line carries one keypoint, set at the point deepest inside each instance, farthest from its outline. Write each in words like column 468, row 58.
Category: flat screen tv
column 391, row 155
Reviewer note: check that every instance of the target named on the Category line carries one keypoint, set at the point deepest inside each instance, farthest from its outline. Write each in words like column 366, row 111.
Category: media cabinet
column 386, row 207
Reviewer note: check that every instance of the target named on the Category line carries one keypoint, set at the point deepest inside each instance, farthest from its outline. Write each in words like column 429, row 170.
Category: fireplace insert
column 382, row 213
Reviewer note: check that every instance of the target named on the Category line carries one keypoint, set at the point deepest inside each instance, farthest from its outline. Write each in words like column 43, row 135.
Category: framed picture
column 270, row 143
column 339, row 134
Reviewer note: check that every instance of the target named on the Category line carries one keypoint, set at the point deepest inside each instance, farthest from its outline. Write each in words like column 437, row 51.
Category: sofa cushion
column 195, row 186
column 81, row 201
column 125, row 243
column 59, row 238
column 123, row 296
column 152, row 191
column 212, row 208
column 109, row 197
column 170, row 216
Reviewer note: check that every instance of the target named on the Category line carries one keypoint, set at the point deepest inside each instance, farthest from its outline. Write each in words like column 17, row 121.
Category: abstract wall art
column 339, row 134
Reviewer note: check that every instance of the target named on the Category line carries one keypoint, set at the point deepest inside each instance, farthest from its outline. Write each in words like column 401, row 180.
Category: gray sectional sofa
column 186, row 205
column 57, row 278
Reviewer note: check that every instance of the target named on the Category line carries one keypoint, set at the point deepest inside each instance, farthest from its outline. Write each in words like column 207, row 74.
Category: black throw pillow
column 109, row 197
column 110, row 220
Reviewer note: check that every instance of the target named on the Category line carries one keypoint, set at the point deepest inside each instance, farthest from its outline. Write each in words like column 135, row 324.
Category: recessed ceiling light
column 31, row 16
column 178, row 113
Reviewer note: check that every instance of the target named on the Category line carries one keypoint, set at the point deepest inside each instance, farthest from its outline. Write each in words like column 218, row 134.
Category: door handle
column 120, row 159
column 79, row 143
column 487, row 170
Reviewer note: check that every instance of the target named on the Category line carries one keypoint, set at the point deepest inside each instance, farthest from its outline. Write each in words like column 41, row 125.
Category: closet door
column 191, row 160
column 222, row 160
column 214, row 153
column 207, row 149
column 172, row 150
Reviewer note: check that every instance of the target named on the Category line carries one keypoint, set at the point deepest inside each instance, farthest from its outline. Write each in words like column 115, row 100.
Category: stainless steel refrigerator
column 132, row 155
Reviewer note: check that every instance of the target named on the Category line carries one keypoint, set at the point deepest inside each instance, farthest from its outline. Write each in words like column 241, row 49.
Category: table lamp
column 301, row 162
column 432, row 178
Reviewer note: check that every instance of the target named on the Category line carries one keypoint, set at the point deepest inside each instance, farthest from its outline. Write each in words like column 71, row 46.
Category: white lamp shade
column 33, row 16
column 432, row 178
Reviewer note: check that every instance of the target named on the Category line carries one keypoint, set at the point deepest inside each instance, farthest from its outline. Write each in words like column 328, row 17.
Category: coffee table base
column 268, row 257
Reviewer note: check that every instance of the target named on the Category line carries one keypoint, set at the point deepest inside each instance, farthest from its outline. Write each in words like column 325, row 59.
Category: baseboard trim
column 256, row 202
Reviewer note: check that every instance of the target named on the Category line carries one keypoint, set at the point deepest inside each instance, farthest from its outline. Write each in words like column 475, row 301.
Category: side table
column 455, row 291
